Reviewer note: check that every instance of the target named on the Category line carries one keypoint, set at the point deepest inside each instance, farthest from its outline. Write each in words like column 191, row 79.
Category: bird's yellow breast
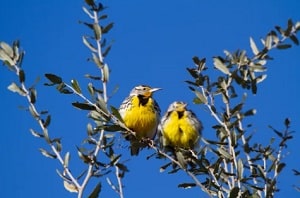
column 141, row 118
column 180, row 132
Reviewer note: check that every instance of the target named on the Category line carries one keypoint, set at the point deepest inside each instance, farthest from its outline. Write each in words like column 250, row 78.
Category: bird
column 141, row 114
column 180, row 128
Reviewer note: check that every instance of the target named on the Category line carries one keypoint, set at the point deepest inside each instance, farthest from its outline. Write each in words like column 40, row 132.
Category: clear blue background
column 154, row 42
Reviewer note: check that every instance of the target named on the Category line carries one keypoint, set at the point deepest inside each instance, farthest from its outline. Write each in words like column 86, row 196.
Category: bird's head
column 143, row 90
column 178, row 106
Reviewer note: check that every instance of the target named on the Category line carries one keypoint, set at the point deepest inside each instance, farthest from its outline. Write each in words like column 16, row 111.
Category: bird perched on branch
column 180, row 128
column 141, row 114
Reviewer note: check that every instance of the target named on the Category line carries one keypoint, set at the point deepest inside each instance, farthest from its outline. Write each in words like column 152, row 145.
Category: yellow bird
column 140, row 113
column 180, row 127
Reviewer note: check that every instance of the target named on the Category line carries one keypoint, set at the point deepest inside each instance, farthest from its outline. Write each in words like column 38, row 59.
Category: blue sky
column 154, row 41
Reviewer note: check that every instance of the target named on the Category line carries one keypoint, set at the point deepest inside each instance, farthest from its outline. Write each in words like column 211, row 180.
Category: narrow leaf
column 47, row 121
column 240, row 169
column 6, row 59
column 21, row 76
column 284, row 46
column 116, row 113
column 107, row 28
column 201, row 97
column 15, row 88
column 253, row 46
column 224, row 153
column 90, row 2
column 83, row 106
column 67, row 159
column 47, row 154
column 46, row 136
column 186, row 185
column 32, row 93
column 105, row 73
column 7, row 49
column 76, row 86
column 90, row 46
column 221, row 66
column 36, row 134
column 97, row 31
column 97, row 60
column 70, row 187
column 294, row 39
column 96, row 191
column 54, row 78
column 268, row 42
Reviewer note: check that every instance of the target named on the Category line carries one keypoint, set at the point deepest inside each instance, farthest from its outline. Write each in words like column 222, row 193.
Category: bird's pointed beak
column 182, row 107
column 155, row 89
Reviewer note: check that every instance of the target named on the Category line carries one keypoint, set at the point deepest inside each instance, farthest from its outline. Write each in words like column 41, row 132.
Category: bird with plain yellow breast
column 141, row 114
column 179, row 127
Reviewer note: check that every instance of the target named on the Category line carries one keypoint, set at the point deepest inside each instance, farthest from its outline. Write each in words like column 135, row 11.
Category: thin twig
column 40, row 122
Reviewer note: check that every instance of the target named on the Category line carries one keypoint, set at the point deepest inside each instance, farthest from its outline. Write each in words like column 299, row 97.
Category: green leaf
column 280, row 167
column 89, row 45
column 106, row 51
column 105, row 73
column 261, row 78
column 6, row 59
column 187, row 185
column 47, row 121
column 90, row 2
column 54, row 78
column 107, row 28
column 268, row 42
column 224, row 153
column 200, row 63
column 221, row 66
column 297, row 26
column 91, row 89
column 289, row 28
column 116, row 113
column 294, row 39
column 62, row 88
column 201, row 97
column 46, row 136
column 122, row 167
column 47, row 154
column 32, row 93
column 97, row 31
column 87, row 12
column 76, row 86
column 240, row 169
column 90, row 130
column 253, row 46
column 33, row 112
column 112, row 128
column 67, row 159
column 261, row 172
column 21, row 76
column 250, row 112
column 284, row 46
column 85, row 158
column 97, row 60
column 234, row 192
column 164, row 167
column 36, row 134
column 115, row 159
column 63, row 176
column 83, row 106
column 7, row 49
column 96, row 191
column 15, row 88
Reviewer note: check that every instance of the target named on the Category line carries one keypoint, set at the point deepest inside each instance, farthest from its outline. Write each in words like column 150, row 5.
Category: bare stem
column 120, row 191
